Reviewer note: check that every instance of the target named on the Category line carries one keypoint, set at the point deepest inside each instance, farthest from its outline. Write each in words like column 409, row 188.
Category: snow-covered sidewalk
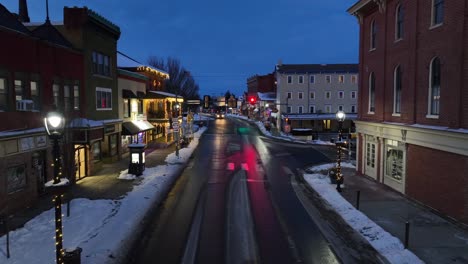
column 387, row 245
column 102, row 228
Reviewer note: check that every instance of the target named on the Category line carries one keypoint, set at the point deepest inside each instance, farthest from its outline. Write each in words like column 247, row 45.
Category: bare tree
column 180, row 80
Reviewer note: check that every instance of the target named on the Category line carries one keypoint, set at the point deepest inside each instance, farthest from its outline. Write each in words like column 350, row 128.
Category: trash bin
column 72, row 256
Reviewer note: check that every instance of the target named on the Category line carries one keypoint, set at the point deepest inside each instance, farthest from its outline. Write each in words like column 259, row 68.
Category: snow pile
column 93, row 222
column 124, row 175
column 389, row 246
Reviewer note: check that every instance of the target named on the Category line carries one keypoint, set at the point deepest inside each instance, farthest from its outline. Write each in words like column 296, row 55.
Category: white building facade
column 309, row 95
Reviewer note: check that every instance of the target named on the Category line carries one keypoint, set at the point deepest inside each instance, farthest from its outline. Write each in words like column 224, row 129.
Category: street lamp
column 340, row 117
column 54, row 123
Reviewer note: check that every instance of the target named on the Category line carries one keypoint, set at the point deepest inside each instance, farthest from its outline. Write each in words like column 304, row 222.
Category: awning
column 128, row 94
column 135, row 127
column 141, row 95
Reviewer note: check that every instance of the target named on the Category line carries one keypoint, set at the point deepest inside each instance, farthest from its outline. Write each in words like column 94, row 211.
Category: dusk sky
column 222, row 43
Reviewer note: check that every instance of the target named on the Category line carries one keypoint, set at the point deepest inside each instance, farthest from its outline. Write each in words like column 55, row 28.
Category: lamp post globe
column 54, row 123
column 340, row 116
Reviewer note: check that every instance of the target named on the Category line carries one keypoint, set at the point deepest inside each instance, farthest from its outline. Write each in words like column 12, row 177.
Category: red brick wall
column 414, row 53
column 26, row 55
column 372, row 61
column 442, row 187
column 434, row 42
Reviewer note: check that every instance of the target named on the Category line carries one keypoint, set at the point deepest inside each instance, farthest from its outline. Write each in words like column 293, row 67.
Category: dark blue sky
column 224, row 42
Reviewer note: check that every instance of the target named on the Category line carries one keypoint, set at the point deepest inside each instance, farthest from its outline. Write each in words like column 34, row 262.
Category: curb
column 352, row 238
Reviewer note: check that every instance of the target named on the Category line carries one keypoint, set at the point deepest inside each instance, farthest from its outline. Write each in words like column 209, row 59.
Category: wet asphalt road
column 283, row 231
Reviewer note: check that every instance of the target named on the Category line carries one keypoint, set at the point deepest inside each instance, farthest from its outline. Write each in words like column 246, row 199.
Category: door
column 38, row 161
column 370, row 159
column 80, row 162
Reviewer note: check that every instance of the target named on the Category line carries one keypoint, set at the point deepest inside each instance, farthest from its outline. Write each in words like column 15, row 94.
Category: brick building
column 34, row 64
column 413, row 107
column 261, row 83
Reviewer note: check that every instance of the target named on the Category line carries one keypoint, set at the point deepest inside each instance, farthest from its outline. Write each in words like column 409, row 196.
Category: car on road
column 220, row 115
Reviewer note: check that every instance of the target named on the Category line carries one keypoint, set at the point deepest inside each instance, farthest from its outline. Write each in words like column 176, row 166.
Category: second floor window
column 56, row 95
column 101, row 64
column 399, row 22
column 312, row 109
column 289, row 109
column 353, row 95
column 103, row 98
column 19, row 90
column 353, row 109
column 67, row 99
column 434, row 89
column 289, row 95
column 35, row 95
column 340, row 108
column 327, row 95
column 312, row 95
column 126, row 107
column 373, row 34
column 3, row 94
column 312, row 79
column 327, row 109
column 76, row 97
column 397, row 91
column 299, row 109
column 437, row 12
column 300, row 95
column 340, row 95
column 371, row 93
column 140, row 107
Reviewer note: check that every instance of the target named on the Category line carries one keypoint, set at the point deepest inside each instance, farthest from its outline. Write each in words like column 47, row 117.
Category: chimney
column 23, row 11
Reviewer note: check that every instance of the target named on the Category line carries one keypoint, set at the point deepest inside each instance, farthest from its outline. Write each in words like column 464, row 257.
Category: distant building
column 309, row 95
column 261, row 83
column 413, row 101
column 146, row 110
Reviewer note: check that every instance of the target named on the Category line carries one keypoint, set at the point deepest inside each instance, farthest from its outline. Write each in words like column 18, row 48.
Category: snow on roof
column 267, row 96
column 125, row 61
column 165, row 94
column 83, row 122
column 22, row 132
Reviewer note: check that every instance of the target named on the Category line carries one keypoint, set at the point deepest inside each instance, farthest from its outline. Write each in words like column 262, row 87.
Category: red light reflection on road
column 271, row 240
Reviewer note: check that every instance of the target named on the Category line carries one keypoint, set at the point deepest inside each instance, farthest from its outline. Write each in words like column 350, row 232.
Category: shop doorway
column 39, row 169
column 80, row 162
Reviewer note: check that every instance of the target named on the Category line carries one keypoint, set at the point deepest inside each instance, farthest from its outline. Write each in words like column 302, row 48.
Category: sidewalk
column 103, row 185
column 431, row 237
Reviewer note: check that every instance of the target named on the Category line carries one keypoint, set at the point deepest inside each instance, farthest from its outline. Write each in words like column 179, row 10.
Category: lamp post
column 54, row 123
column 340, row 117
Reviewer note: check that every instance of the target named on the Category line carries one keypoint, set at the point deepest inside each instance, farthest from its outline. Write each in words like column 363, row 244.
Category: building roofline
column 132, row 74
column 358, row 6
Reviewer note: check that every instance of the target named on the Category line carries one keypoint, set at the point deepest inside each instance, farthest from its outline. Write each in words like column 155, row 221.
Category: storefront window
column 96, row 149
column 113, row 144
column 394, row 161
column 16, row 178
